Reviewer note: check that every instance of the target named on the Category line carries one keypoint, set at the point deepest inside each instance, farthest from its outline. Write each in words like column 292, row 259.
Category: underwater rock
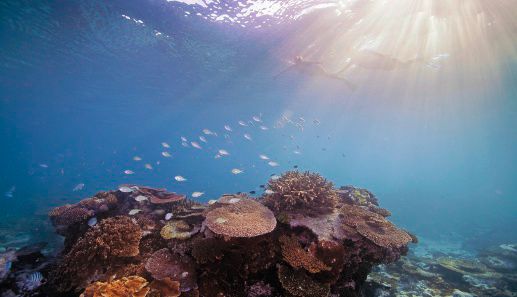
column 300, row 239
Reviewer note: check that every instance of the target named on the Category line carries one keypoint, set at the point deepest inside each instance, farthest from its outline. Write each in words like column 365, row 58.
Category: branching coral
column 133, row 286
column 297, row 257
column 300, row 192
column 245, row 218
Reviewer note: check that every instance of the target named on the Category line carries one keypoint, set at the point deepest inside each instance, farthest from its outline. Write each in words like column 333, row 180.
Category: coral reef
column 302, row 238
column 300, row 191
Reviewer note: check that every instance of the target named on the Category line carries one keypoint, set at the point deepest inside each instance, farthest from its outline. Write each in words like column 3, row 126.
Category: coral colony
column 303, row 238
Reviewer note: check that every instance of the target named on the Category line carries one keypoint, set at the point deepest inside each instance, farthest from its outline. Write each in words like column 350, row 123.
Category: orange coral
column 297, row 191
column 297, row 257
column 132, row 286
column 245, row 218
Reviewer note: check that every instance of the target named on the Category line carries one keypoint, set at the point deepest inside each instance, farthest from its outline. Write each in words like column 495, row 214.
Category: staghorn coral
column 102, row 245
column 297, row 257
column 301, row 192
column 132, row 286
column 245, row 218
column 297, row 283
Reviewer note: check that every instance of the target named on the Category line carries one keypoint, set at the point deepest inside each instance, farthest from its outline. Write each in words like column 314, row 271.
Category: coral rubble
column 302, row 238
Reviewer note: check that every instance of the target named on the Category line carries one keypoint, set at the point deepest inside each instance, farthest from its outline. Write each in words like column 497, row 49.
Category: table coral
column 132, row 286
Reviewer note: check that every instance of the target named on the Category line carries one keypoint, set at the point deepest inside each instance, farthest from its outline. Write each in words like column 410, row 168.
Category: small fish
column 195, row 144
column 264, row 157
column 242, row 123
column 180, row 178
column 343, row 155
column 203, row 139
column 141, row 198
column 234, row 200
column 217, row 156
column 264, row 128
column 316, row 122
column 324, row 149
column 237, row 171
column 252, row 192
column 301, row 119
column 224, row 153
column 137, row 158
column 184, row 139
column 269, row 192
column 212, row 201
column 165, row 145
column 185, row 144
column 272, row 163
column 43, row 165
column 256, row 119
column 247, row 136
column 10, row 193
column 134, row 211
column 148, row 166
column 262, row 186
column 78, row 187
column 297, row 152
column 125, row 189
column 128, row 172
column 8, row 266
column 295, row 166
column 228, row 128
column 168, row 216
column 32, row 281
column 275, row 177
column 197, row 194
column 208, row 132
column 166, row 154
column 92, row 222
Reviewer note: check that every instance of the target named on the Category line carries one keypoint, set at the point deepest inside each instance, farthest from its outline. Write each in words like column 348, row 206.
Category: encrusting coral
column 302, row 238
column 300, row 191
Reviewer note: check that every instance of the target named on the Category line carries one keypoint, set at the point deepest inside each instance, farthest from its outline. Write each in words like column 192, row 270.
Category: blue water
column 84, row 89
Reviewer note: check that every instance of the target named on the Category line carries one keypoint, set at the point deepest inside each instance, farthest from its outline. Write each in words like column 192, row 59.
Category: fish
column 269, row 192
column 234, row 200
column 78, row 187
column 207, row 132
column 137, row 158
column 252, row 192
column 92, row 222
column 237, row 171
column 256, row 119
column 165, row 145
column 141, row 198
column 168, row 216
column 272, row 163
column 247, row 136
column 297, row 152
column 180, row 178
column 134, row 211
column 196, row 145
column 128, row 172
column 264, row 128
column 262, row 186
column 10, row 193
column 203, row 139
column 223, row 152
column 316, row 122
column 324, row 149
column 264, row 157
column 197, row 194
column 125, row 189
column 217, row 156
column 185, row 144
column 228, row 128
column 43, row 165
column 295, row 166
column 183, row 139
column 32, row 281
column 242, row 123
column 148, row 166
column 166, row 154
column 274, row 177
column 212, row 201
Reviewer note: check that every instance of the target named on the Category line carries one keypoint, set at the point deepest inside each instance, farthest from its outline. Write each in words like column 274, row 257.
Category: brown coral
column 165, row 288
column 68, row 215
column 163, row 264
column 297, row 283
column 297, row 257
column 245, row 218
column 301, row 191
column 132, row 286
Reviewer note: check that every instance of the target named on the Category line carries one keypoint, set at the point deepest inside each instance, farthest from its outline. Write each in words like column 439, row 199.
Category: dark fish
column 262, row 186
column 252, row 192
column 323, row 149
column 272, row 174
column 238, row 193
column 343, row 155
column 295, row 166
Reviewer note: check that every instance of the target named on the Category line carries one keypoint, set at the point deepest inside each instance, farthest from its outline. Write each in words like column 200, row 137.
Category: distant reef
column 303, row 237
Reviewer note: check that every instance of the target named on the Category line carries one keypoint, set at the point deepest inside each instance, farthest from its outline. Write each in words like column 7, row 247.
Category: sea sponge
column 132, row 286
column 300, row 192
column 297, row 283
column 297, row 257
column 245, row 218
column 100, row 246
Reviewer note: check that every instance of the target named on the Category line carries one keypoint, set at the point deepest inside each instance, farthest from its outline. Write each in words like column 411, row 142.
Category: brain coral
column 245, row 218
column 300, row 191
